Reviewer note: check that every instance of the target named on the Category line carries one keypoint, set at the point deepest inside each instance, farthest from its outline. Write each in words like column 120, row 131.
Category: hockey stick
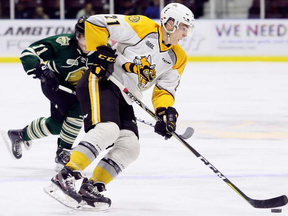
column 68, row 90
column 186, row 135
column 267, row 203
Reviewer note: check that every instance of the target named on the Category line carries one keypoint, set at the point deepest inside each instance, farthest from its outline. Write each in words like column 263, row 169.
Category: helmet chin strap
column 169, row 32
column 168, row 37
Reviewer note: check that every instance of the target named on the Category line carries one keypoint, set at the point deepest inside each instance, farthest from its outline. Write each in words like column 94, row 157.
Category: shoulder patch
column 63, row 40
column 134, row 18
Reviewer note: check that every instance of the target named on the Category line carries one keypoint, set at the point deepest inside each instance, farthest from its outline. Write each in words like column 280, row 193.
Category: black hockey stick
column 267, row 203
column 186, row 135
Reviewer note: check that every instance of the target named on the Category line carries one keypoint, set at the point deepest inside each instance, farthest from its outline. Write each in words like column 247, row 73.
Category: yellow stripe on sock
column 100, row 174
column 78, row 161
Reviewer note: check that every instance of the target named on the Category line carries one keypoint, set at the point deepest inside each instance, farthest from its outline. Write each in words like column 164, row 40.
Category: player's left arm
column 163, row 98
column 167, row 84
column 165, row 89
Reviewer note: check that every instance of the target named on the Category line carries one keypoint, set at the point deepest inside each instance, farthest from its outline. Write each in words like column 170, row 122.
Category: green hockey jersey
column 62, row 55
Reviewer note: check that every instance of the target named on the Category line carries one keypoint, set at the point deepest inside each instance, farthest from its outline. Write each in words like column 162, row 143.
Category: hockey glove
column 47, row 77
column 103, row 65
column 168, row 124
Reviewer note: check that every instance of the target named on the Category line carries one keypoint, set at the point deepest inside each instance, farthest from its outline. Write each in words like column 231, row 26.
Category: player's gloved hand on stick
column 169, row 116
column 103, row 65
column 47, row 77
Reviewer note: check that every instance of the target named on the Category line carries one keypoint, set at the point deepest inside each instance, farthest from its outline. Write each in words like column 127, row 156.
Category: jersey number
column 114, row 22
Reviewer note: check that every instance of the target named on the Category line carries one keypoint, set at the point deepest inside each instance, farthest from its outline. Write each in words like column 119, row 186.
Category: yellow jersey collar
column 162, row 46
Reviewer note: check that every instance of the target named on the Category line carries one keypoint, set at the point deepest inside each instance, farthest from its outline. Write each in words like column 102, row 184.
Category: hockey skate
column 14, row 140
column 92, row 200
column 63, row 188
column 62, row 157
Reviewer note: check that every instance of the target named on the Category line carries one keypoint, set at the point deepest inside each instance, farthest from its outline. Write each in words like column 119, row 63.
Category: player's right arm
column 38, row 52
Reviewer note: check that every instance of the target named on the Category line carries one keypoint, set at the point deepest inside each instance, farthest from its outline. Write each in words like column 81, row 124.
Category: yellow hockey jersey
column 143, row 60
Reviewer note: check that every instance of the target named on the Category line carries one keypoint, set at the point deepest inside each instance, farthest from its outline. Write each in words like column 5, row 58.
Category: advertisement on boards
column 16, row 35
column 238, row 38
column 210, row 37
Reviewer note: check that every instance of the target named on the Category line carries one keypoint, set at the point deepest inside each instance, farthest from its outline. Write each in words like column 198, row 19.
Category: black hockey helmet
column 80, row 26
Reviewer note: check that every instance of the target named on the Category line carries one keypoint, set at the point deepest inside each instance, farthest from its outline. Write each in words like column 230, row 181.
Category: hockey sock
column 78, row 161
column 105, row 171
column 82, row 156
column 69, row 132
column 36, row 129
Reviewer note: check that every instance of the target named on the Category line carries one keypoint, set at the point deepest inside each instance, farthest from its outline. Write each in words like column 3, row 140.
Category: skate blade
column 55, row 192
column 8, row 143
column 98, row 206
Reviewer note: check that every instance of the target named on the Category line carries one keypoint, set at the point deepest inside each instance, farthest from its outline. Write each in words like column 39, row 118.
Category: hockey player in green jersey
column 146, row 55
column 56, row 60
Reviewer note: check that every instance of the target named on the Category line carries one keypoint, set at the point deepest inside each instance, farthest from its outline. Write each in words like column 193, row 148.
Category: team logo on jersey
column 143, row 67
column 134, row 18
column 74, row 76
column 63, row 41
column 71, row 62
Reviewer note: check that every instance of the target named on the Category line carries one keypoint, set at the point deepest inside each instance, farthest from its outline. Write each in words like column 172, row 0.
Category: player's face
column 82, row 43
column 179, row 34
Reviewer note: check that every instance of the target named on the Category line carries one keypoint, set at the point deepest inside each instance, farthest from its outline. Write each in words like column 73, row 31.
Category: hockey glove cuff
column 103, row 64
column 168, row 124
column 48, row 78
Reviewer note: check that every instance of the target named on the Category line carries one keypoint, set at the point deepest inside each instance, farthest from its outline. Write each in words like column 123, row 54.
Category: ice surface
column 240, row 115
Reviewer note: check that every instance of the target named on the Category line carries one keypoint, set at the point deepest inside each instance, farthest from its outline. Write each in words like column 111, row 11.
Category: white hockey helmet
column 178, row 13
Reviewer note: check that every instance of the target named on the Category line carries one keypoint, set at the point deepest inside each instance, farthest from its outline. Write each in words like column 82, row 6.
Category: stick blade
column 188, row 133
column 270, row 203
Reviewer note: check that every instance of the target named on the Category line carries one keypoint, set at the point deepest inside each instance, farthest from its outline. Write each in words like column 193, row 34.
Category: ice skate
column 14, row 140
column 92, row 199
column 63, row 188
column 15, row 137
column 62, row 158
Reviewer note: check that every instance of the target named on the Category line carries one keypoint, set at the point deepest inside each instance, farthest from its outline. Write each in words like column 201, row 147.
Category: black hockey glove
column 103, row 65
column 169, row 116
column 47, row 77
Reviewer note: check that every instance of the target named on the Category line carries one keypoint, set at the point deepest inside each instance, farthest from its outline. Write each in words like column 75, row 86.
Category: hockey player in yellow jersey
column 146, row 55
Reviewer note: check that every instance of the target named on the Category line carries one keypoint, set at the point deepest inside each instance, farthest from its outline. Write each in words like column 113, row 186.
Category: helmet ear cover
column 174, row 26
